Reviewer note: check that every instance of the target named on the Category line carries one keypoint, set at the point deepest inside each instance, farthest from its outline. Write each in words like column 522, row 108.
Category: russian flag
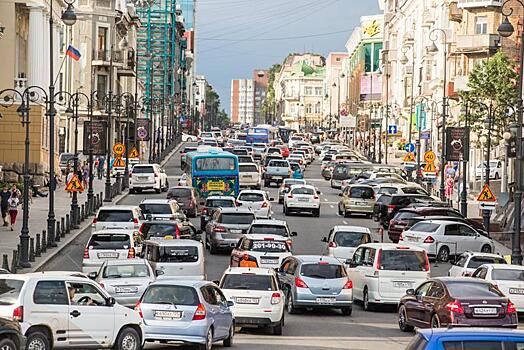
column 73, row 53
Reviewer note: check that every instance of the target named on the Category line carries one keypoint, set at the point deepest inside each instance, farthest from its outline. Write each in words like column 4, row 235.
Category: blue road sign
column 392, row 129
column 409, row 147
column 425, row 135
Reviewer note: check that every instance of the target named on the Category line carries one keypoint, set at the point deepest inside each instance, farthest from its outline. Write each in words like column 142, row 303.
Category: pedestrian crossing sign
column 74, row 185
column 134, row 153
column 430, row 168
column 486, row 195
column 119, row 162
column 409, row 158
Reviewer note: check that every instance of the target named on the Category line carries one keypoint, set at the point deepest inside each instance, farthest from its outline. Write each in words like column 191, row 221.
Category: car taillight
column 156, row 175
column 18, row 314
column 332, row 245
column 139, row 309
column 391, row 208
column 200, row 313
column 219, row 229
column 275, row 298
column 511, row 308
column 290, row 196
column 455, row 307
column 428, row 267
column 131, row 253
column 348, row 285
column 86, row 253
column 429, row 239
column 401, row 237
column 94, row 220
column 378, row 258
column 299, row 283
column 135, row 221
column 177, row 232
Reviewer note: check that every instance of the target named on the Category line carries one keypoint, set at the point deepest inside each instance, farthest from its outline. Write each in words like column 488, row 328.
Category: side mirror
column 230, row 303
column 294, row 234
column 159, row 273
column 410, row 291
column 110, row 301
column 217, row 282
column 271, row 198
column 92, row 275
column 319, row 193
column 324, row 239
column 348, row 261
column 340, row 194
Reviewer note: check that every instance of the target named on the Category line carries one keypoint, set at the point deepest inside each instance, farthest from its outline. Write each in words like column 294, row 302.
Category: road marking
column 325, row 200
column 332, row 206
column 345, row 222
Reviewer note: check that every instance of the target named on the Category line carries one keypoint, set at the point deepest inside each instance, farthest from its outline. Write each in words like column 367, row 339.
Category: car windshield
column 323, row 270
column 507, row 275
column 126, row 271
column 156, row 208
column 178, row 254
column 303, row 190
column 476, row 261
column 143, row 169
column 248, row 168
column 269, row 246
column 465, row 289
column 269, row 229
column 251, row 197
column 348, row 239
column 10, row 290
column 220, row 203
column 361, row 192
column 109, row 215
column 388, row 190
column 402, row 260
column 206, row 135
column 176, row 295
column 248, row 281
column 237, row 218
column 180, row 192
column 425, row 227
column 278, row 163
column 158, row 230
column 109, row 241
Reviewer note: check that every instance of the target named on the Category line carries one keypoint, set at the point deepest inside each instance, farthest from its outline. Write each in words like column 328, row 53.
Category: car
column 358, row 199
column 258, row 299
column 148, row 177
column 399, row 188
column 11, row 337
column 208, row 142
column 270, row 227
column 300, row 157
column 124, row 280
column 284, row 150
column 343, row 240
column 509, row 279
column 250, row 175
column 260, row 250
column 294, row 165
column 183, row 155
column 286, row 185
column 455, row 301
column 127, row 217
column 245, row 159
column 305, row 153
column 187, row 198
column 226, row 227
column 256, row 200
column 301, row 198
column 74, row 312
column 388, row 205
column 109, row 244
column 441, row 239
column 316, row 282
column 382, row 272
column 258, row 150
column 190, row 312
column 159, row 209
column 189, row 138
column 468, row 262
column 212, row 203
column 495, row 170
column 170, row 229
column 276, row 171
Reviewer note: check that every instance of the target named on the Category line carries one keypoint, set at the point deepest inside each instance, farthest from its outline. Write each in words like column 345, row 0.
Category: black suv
column 158, row 229
column 387, row 205
column 11, row 337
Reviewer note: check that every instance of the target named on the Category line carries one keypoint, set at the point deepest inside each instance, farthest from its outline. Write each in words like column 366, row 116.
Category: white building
column 242, row 101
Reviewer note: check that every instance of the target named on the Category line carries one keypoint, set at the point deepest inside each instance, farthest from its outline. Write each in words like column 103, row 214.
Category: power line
column 280, row 38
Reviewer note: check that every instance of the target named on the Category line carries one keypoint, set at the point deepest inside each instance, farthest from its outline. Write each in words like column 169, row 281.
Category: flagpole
column 59, row 70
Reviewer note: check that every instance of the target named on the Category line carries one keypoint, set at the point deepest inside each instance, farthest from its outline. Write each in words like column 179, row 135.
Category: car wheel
column 340, row 212
column 347, row 214
column 347, row 311
column 365, row 301
column 316, row 212
column 266, row 184
column 209, row 341
column 277, row 330
column 290, row 307
column 212, row 249
column 132, row 191
column 435, row 321
column 158, row 190
column 128, row 339
column 443, row 254
column 286, row 210
column 228, row 342
column 8, row 344
column 167, row 186
column 280, row 201
column 38, row 341
column 486, row 248
column 403, row 320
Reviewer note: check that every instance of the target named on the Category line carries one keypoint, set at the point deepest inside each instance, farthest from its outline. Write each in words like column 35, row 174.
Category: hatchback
column 343, row 240
column 388, row 205
column 286, row 185
column 226, row 227
column 302, row 198
column 270, row 227
column 356, row 199
column 509, row 279
column 250, row 175
column 108, row 245
column 257, row 201
column 187, row 198
column 211, row 204
column 159, row 209
column 163, row 229
column 468, row 262
column 191, row 312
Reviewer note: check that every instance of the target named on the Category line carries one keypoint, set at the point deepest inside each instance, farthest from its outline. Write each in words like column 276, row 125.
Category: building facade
column 261, row 82
column 243, row 101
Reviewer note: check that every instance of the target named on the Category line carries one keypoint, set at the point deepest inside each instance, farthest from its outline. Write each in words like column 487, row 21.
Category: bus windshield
column 215, row 163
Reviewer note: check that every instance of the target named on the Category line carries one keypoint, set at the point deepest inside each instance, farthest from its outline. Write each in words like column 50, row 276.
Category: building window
column 317, row 108
column 318, row 91
column 309, row 108
column 102, row 39
column 372, row 57
column 481, row 25
column 101, row 85
column 308, row 91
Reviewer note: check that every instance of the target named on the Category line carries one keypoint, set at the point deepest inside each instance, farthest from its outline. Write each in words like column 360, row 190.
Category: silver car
column 226, row 227
column 125, row 280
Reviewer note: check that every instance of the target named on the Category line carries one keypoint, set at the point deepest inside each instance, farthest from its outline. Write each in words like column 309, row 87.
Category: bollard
column 18, row 247
column 14, row 261
column 68, row 224
column 38, row 252
column 101, row 198
column 31, row 249
column 5, row 262
column 57, row 232
column 44, row 241
column 62, row 227
column 82, row 213
column 97, row 202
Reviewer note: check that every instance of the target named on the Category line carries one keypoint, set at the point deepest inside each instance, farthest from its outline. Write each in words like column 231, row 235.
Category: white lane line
column 325, row 200
column 332, row 206
column 345, row 222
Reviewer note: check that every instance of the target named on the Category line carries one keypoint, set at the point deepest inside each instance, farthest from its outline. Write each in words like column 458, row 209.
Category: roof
column 253, row 191
column 442, row 222
column 303, row 186
column 269, row 222
column 249, row 270
column 176, row 281
column 43, row 276
column 438, row 332
column 487, row 255
column 118, row 207
column 118, row 262
column 505, row 266
column 460, row 279
column 250, row 163
column 351, row 228
column 221, row 197
column 262, row 237
column 303, row 181
column 235, row 210
column 392, row 246
column 157, row 201
column 113, row 231
column 176, row 242
column 317, row 258
column 145, row 164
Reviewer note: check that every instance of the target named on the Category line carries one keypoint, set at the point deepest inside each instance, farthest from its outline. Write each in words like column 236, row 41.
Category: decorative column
column 35, row 47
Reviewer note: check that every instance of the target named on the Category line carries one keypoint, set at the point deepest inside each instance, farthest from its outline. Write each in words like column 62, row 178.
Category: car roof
column 249, row 270
column 299, row 180
column 302, row 186
column 443, row 222
column 269, row 222
column 241, row 210
column 317, row 258
column 118, row 207
column 460, row 332
column 43, row 276
column 351, row 228
column 392, row 246
column 505, row 266
column 175, row 242
column 480, row 254
column 246, row 163
column 253, row 191
column 116, row 231
column 262, row 237
column 460, row 279
column 360, row 185
column 157, row 201
column 145, row 164
column 221, row 197
column 118, row 262
column 177, row 281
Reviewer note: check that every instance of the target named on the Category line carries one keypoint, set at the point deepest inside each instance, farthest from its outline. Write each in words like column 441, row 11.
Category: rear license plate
column 303, row 200
column 402, row 284
column 269, row 261
column 485, row 311
column 143, row 177
column 277, row 177
column 107, row 255
column 326, row 300
column 168, row 315
column 519, row 291
column 412, row 239
column 126, row 289
column 361, row 203
column 247, row 300
column 236, row 231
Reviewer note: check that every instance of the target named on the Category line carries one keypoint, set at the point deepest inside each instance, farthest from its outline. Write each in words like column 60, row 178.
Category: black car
column 11, row 337
column 158, row 229
column 387, row 205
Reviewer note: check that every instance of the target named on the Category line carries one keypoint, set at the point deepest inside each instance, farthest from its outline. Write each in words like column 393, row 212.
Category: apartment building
column 243, row 101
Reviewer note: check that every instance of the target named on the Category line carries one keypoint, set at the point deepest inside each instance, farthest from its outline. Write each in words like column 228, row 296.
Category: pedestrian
column 85, row 175
column 4, row 203
column 15, row 189
column 101, row 161
column 13, row 203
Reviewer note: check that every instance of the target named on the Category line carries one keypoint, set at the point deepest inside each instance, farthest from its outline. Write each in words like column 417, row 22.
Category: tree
column 269, row 106
column 214, row 115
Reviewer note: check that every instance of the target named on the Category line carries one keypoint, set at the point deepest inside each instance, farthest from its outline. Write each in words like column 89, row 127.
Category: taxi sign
column 409, row 158
column 429, row 157
column 486, row 195
column 74, row 185
column 119, row 149
column 134, row 153
column 119, row 162
column 430, row 168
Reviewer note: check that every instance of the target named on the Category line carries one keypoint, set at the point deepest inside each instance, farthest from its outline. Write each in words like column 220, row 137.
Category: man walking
column 4, row 204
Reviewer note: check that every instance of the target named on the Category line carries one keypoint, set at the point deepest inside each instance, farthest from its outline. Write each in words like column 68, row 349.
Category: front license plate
column 168, row 315
column 126, row 289
column 519, row 291
column 402, row 284
column 107, row 255
column 247, row 300
column 485, row 311
column 326, row 300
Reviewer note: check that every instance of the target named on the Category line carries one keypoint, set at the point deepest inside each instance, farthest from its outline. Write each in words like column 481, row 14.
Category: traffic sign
column 134, row 153
column 487, row 205
column 409, row 158
column 486, row 195
column 409, row 147
column 119, row 162
column 430, row 168
column 429, row 156
column 74, row 185
column 119, row 149
column 392, row 129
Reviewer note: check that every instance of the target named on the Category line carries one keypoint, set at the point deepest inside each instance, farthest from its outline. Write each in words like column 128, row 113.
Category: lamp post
column 463, row 193
column 404, row 61
column 418, row 142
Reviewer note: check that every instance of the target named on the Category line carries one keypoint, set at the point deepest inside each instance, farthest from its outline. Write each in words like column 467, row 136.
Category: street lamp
column 404, row 61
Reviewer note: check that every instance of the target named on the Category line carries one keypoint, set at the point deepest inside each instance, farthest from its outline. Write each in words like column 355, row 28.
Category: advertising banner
column 95, row 137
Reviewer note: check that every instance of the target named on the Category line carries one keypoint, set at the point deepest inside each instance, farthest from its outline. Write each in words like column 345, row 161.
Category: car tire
column 277, row 330
column 228, row 342
column 486, row 248
column 316, row 213
column 366, row 305
column 167, row 186
column 131, row 191
column 128, row 339
column 347, row 311
column 266, row 183
column 8, row 344
column 347, row 214
column 286, row 210
column 209, row 341
column 290, row 306
column 435, row 321
column 443, row 254
column 403, row 320
column 158, row 190
column 280, row 201
column 212, row 249
column 38, row 340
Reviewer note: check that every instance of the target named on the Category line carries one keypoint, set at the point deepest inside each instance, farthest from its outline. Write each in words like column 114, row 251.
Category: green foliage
column 220, row 116
column 269, row 105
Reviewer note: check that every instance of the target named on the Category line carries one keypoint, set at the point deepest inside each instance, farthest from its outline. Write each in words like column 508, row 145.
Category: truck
column 276, row 171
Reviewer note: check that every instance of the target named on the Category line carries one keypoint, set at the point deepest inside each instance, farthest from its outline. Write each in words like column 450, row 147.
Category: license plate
column 126, row 289
column 236, row 231
column 326, row 300
column 303, row 200
column 247, row 176
column 277, row 177
column 485, row 311
column 269, row 261
column 107, row 255
column 170, row 315
column 402, row 284
column 361, row 203
column 142, row 178
column 247, row 300
column 516, row 291
column 412, row 239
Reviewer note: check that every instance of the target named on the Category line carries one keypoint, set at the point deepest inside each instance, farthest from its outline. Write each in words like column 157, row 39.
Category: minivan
column 357, row 199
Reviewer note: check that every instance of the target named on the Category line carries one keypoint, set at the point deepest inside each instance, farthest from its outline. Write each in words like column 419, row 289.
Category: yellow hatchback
column 357, row 199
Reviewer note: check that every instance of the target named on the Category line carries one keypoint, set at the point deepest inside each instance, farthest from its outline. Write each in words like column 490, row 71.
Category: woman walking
column 13, row 203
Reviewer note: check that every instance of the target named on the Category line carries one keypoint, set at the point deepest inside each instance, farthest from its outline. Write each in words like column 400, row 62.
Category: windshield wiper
column 114, row 276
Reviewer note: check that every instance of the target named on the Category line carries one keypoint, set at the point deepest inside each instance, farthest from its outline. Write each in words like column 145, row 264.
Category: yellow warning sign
column 119, row 162
column 429, row 156
column 429, row 168
column 119, row 149
column 409, row 157
column 134, row 153
column 74, row 185
column 486, row 195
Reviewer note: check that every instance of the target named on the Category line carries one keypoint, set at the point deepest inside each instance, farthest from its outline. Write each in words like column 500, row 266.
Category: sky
column 234, row 37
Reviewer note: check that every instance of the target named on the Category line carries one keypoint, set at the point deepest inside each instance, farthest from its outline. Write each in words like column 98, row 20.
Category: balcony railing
column 105, row 56
column 477, row 42
column 479, row 3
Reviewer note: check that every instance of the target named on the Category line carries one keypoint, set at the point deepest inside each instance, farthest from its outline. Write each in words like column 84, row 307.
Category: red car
column 284, row 151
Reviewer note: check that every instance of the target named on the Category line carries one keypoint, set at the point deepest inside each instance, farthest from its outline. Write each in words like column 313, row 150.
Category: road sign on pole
column 409, row 147
column 74, row 185
column 486, row 195
column 119, row 149
column 119, row 163
column 134, row 153
column 392, row 129
column 429, row 156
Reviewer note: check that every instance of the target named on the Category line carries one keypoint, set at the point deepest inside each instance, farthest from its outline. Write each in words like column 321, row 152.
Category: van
column 357, row 199
column 176, row 258
column 118, row 216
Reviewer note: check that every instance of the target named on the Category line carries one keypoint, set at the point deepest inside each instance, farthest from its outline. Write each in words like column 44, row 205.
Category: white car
column 250, row 175
column 468, row 262
column 259, row 250
column 343, row 240
column 148, row 177
column 256, row 200
column 441, row 239
column 128, row 217
column 189, row 138
column 495, row 170
column 159, row 209
column 382, row 272
column 259, row 301
column 302, row 198
column 509, row 279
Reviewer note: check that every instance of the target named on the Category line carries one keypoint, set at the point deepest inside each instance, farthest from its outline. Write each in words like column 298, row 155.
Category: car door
column 469, row 238
column 287, row 274
column 458, row 267
column 212, row 309
column 415, row 305
column 329, row 240
column 224, row 318
column 432, row 302
column 355, row 272
column 452, row 239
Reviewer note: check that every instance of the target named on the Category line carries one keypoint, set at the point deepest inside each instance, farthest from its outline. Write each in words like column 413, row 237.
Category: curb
column 71, row 238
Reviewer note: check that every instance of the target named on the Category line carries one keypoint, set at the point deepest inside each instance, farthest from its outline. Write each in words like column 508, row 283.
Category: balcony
column 128, row 67
column 477, row 42
column 103, row 58
column 464, row 4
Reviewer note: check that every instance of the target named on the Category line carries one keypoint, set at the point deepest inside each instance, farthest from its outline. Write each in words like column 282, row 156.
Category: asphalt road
column 309, row 330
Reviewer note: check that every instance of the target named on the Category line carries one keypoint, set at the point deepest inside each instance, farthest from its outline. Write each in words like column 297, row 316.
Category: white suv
column 250, row 175
column 148, row 177
column 468, row 262
column 302, row 198
column 128, row 217
column 257, row 201
column 259, row 250
column 68, row 312
column 259, row 302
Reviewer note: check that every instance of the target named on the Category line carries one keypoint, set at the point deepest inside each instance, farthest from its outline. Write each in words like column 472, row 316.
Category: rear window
column 269, row 229
column 402, row 260
column 388, row 190
column 507, row 275
column 180, row 192
column 273, row 150
column 269, row 246
column 251, row 197
column 473, row 290
column 278, row 163
column 303, row 190
column 481, row 345
column 236, row 218
column 220, row 203
column 189, row 149
column 413, row 190
column 289, row 183
column 176, row 295
column 323, row 271
column 425, row 227
column 154, row 230
column 238, row 151
column 405, row 215
column 418, row 342
column 109, row 241
column 9, row 291
column 156, row 208
column 115, row 216
column 361, row 192
column 125, row 271
column 349, row 239
column 248, row 168
column 178, row 254
column 476, row 261
column 248, row 281
column 143, row 170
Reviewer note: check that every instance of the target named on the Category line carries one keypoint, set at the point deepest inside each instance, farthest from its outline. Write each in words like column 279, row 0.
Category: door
column 91, row 321
column 225, row 316
column 469, row 238
column 51, row 306
column 213, row 309
column 415, row 307
column 452, row 239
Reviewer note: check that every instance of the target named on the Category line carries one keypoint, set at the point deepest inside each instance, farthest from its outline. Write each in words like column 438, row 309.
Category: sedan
column 450, row 301
column 257, row 201
column 302, row 198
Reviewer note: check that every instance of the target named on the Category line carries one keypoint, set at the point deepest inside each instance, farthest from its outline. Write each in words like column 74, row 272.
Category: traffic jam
column 245, row 197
